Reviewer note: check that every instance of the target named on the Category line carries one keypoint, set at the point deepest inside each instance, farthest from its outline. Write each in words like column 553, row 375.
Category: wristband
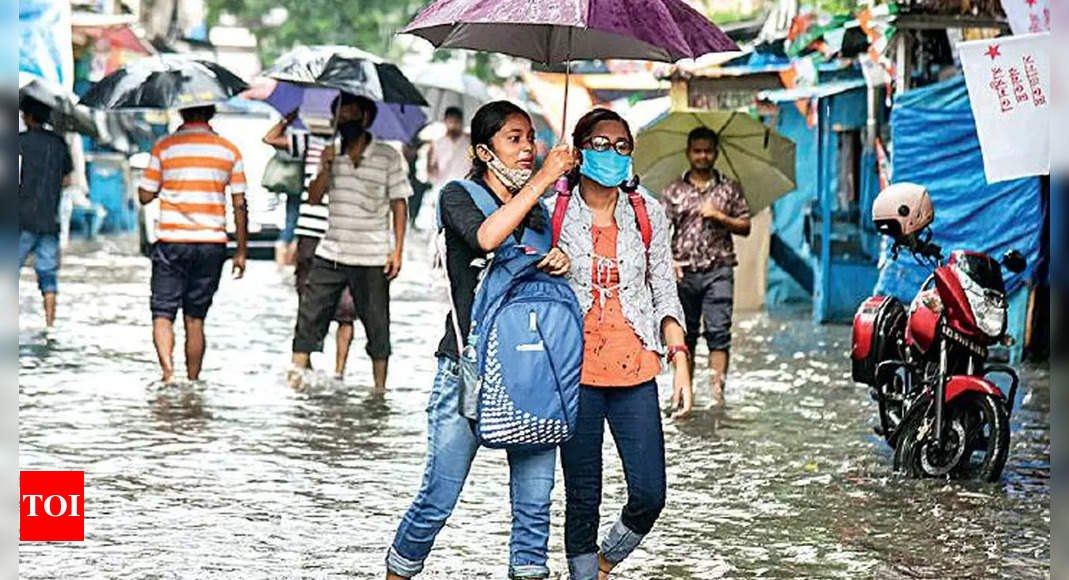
column 673, row 350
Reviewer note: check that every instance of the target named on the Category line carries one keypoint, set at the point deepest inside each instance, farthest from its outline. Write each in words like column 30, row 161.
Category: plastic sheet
column 935, row 145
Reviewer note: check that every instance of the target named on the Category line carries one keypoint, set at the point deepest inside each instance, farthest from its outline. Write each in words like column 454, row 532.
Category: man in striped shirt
column 190, row 171
column 369, row 189
column 312, row 217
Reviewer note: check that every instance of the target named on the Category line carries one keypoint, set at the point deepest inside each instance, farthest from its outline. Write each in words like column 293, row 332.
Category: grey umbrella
column 67, row 115
column 347, row 69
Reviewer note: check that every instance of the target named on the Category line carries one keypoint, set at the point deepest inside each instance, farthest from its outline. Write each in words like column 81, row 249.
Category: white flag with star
column 1027, row 16
column 1009, row 89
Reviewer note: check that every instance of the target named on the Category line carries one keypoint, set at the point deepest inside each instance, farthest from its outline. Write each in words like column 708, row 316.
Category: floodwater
column 239, row 477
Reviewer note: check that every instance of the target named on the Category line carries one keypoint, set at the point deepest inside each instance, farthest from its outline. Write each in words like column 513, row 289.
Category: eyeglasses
column 602, row 143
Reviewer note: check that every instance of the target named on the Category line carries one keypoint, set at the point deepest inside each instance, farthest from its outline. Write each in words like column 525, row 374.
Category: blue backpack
column 521, row 363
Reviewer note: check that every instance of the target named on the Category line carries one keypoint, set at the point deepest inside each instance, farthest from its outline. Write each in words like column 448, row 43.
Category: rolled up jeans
column 633, row 414
column 46, row 248
column 451, row 447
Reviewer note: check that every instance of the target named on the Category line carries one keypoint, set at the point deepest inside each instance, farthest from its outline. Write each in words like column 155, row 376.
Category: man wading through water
column 705, row 209
column 46, row 169
column 312, row 217
column 368, row 188
column 190, row 171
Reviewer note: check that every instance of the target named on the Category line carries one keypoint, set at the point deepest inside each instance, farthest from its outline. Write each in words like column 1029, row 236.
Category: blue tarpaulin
column 45, row 40
column 935, row 145
column 842, row 106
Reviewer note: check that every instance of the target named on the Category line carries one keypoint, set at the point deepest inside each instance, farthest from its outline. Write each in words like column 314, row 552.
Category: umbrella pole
column 567, row 83
column 561, row 187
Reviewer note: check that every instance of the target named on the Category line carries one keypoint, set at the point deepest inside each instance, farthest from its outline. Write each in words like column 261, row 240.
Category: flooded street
column 240, row 477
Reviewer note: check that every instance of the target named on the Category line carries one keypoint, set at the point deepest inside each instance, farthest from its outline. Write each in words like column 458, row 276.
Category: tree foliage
column 366, row 24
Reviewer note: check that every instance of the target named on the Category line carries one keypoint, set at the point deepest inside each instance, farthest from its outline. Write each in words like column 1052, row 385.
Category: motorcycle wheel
column 977, row 441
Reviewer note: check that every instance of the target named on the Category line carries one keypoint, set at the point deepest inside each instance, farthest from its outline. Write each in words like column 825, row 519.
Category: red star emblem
column 992, row 51
column 1030, row 2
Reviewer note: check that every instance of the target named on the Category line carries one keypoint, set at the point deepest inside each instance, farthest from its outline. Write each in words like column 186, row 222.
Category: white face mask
column 513, row 178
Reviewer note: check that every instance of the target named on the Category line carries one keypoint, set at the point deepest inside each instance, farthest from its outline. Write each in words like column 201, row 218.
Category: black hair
column 366, row 105
column 454, row 112
column 584, row 129
column 39, row 112
column 703, row 133
column 488, row 120
column 198, row 114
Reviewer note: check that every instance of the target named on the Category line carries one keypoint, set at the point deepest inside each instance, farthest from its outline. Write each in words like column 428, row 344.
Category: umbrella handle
column 562, row 184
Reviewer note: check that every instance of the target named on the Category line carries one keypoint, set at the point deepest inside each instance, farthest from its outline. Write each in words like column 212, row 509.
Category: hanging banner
column 1008, row 79
column 1027, row 16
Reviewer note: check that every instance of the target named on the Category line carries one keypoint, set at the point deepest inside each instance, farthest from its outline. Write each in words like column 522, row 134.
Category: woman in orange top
column 632, row 313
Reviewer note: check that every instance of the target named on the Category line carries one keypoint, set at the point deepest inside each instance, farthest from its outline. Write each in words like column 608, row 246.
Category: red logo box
column 51, row 506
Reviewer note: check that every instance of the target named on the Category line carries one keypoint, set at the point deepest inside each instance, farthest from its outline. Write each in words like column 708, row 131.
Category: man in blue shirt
column 45, row 170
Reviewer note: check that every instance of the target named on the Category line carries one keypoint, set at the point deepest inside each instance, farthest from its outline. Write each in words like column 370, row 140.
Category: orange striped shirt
column 191, row 170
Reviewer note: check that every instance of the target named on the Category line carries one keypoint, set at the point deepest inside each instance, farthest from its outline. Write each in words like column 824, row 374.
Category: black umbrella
column 164, row 82
column 65, row 115
column 347, row 69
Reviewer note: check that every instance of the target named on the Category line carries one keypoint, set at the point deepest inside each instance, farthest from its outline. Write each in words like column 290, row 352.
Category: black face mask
column 351, row 132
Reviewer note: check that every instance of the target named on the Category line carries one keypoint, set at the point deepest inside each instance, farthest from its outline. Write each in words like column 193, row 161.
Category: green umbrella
column 757, row 157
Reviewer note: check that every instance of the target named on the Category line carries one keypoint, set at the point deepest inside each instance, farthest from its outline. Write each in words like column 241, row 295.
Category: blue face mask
column 608, row 167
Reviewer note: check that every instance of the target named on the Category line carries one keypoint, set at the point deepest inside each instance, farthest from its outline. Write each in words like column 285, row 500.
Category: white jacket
column 646, row 297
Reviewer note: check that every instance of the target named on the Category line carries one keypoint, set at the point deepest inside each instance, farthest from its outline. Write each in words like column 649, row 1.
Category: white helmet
column 902, row 210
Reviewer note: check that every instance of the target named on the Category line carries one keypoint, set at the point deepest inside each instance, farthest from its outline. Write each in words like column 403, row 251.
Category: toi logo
column 51, row 506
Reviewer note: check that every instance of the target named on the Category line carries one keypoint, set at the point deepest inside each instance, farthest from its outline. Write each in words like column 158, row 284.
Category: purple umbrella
column 560, row 31
column 394, row 122
column 563, row 30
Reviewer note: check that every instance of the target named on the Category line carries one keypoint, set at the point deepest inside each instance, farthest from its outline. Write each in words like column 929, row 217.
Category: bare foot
column 295, row 379
column 717, row 392
column 604, row 568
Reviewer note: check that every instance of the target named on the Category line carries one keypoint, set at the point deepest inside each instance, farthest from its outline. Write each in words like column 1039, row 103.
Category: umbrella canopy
column 444, row 86
column 347, row 69
column 394, row 122
column 164, row 82
column 551, row 32
column 760, row 159
column 66, row 114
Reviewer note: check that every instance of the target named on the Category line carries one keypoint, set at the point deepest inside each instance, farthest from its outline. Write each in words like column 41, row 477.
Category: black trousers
column 371, row 301
column 707, row 296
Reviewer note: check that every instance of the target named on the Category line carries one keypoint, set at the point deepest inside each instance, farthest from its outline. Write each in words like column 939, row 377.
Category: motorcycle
column 927, row 367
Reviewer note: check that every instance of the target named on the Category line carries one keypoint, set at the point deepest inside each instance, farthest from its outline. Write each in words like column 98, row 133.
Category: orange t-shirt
column 613, row 355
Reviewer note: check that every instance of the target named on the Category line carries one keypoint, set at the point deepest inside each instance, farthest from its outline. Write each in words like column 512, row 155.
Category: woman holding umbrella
column 622, row 274
column 503, row 142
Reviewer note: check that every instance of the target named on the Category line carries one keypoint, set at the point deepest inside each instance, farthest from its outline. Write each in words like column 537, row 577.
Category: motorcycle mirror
column 1014, row 261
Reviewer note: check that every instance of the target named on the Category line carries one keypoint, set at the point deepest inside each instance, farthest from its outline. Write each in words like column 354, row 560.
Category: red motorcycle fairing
column 923, row 324
column 956, row 306
column 958, row 384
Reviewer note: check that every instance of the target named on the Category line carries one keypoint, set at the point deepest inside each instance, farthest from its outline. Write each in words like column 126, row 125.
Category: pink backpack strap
column 559, row 209
column 641, row 216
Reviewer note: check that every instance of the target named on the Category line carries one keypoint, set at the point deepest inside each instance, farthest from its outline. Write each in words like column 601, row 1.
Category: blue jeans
column 46, row 248
column 451, row 447
column 289, row 230
column 634, row 417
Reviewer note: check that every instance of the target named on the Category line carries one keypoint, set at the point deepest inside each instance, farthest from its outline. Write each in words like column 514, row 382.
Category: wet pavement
column 239, row 477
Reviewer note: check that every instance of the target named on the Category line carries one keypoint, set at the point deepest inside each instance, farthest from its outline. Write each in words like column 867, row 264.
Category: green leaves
column 367, row 24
